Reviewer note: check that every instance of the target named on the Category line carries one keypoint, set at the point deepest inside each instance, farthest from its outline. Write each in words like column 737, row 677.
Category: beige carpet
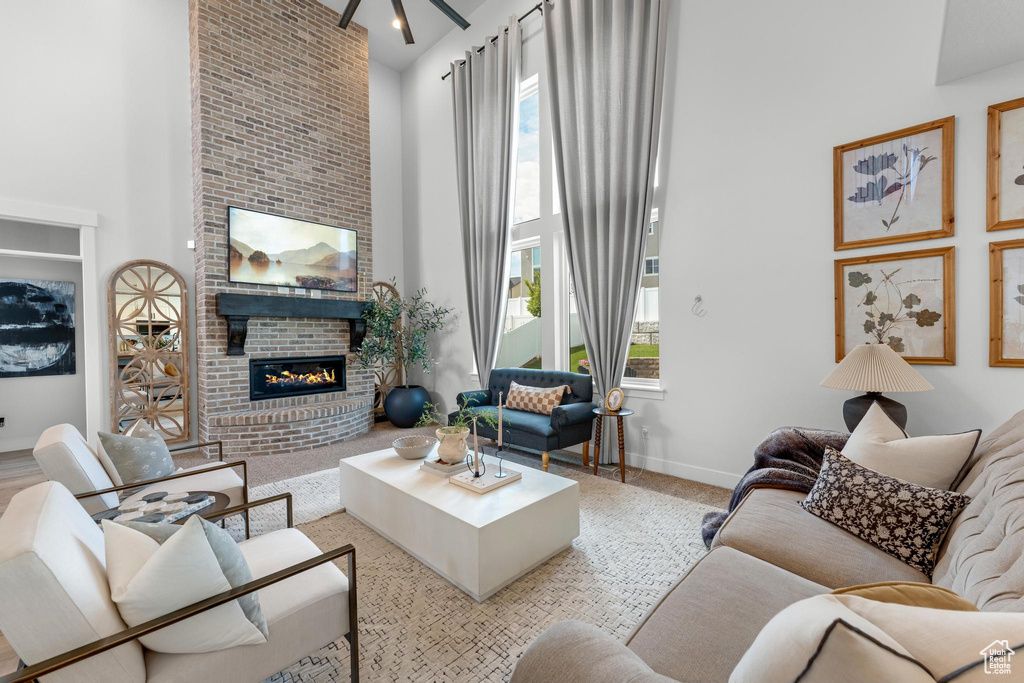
column 415, row 626
column 265, row 469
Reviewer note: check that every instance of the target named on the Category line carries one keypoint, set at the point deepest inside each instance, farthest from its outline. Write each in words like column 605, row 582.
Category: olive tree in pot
column 396, row 332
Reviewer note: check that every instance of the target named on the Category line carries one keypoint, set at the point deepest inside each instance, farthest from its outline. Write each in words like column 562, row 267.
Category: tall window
column 527, row 190
column 643, row 361
column 524, row 332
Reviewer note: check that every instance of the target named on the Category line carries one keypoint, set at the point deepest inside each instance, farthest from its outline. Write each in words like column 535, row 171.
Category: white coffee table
column 479, row 542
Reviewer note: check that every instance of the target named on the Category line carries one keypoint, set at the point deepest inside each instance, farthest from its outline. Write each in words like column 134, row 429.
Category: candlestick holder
column 498, row 454
column 469, row 466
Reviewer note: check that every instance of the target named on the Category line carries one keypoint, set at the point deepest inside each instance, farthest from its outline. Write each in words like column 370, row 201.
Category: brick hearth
column 280, row 123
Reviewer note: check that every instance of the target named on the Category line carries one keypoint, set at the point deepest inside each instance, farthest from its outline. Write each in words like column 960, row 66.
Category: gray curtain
column 606, row 62
column 485, row 99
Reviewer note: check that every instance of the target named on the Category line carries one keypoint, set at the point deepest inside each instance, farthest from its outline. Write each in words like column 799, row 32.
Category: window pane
column 523, row 336
column 527, row 190
column 644, row 360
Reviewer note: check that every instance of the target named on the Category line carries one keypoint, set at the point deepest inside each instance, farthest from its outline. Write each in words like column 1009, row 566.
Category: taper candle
column 500, row 396
column 476, row 451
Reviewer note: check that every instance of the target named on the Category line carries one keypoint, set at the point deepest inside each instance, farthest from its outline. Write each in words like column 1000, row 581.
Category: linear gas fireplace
column 281, row 377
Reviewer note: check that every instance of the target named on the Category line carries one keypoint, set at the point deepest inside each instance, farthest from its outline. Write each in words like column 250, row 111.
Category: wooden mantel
column 238, row 308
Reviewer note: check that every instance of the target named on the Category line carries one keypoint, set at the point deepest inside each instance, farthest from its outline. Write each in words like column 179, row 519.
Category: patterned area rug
column 415, row 626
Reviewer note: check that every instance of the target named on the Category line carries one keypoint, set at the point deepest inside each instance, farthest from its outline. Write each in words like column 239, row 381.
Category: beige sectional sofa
column 771, row 553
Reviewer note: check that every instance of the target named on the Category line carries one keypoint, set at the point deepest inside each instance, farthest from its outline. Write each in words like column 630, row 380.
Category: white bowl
column 414, row 447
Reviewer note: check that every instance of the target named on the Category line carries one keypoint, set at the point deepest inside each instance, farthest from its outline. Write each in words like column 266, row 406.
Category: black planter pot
column 403, row 405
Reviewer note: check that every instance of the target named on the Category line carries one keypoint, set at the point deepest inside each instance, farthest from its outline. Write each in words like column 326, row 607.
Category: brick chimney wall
column 280, row 124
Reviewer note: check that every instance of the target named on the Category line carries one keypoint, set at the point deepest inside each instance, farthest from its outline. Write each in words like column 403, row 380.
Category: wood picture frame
column 886, row 168
column 998, row 308
column 994, row 181
column 925, row 297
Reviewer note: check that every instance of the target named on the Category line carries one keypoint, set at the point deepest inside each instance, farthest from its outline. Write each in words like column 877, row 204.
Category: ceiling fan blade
column 350, row 10
column 400, row 15
column 450, row 13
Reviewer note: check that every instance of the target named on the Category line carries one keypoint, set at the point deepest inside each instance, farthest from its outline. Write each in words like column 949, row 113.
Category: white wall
column 95, row 116
column 757, row 94
column 386, row 173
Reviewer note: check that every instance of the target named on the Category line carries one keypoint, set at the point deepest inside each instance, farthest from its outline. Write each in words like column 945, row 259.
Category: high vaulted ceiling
column 428, row 25
column 979, row 35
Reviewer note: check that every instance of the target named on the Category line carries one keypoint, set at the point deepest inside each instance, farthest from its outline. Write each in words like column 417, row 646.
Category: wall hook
column 698, row 306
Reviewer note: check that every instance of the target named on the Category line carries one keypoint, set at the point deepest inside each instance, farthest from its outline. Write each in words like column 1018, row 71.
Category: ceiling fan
column 353, row 5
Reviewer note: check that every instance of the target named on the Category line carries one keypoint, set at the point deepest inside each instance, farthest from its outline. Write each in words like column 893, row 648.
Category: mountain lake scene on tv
column 286, row 252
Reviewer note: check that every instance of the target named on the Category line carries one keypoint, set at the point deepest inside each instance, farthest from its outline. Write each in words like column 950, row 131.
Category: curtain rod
column 539, row 7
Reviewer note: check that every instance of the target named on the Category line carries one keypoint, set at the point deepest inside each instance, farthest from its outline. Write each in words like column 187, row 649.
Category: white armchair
column 64, row 455
column 57, row 614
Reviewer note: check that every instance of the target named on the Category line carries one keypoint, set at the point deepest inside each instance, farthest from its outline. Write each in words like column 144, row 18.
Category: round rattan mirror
column 147, row 302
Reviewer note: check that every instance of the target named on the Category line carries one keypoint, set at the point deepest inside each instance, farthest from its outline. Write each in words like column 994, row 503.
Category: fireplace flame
column 311, row 378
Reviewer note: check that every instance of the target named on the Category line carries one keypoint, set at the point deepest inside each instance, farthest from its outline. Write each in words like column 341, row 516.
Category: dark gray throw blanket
column 789, row 459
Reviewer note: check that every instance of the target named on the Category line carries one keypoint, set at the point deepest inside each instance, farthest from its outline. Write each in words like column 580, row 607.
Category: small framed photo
column 905, row 300
column 1006, row 301
column 1005, row 178
column 613, row 400
column 896, row 187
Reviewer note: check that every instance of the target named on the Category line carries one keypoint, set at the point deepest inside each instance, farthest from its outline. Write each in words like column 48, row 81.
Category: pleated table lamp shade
column 873, row 369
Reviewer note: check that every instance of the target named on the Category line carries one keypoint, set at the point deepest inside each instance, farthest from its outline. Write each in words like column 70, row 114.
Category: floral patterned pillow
column 906, row 520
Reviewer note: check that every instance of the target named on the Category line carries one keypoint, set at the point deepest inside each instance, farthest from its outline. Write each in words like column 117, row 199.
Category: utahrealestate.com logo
column 997, row 657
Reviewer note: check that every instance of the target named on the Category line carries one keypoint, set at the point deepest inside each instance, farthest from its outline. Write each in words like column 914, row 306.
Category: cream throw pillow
column 879, row 444
column 846, row 638
column 154, row 569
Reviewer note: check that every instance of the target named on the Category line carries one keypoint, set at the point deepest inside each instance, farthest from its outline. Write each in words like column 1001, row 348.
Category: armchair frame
column 61, row 661
column 181, row 475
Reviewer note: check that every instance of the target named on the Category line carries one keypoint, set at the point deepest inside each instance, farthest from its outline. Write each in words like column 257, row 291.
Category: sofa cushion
column 911, row 594
column 541, row 400
column 519, row 420
column 64, row 455
column 906, row 520
column 849, row 638
column 1005, row 441
column 701, row 627
column 771, row 525
column 983, row 557
column 880, row 444
column 139, row 456
column 821, row 640
column 54, row 594
column 580, row 386
column 155, row 569
column 304, row 613
column 574, row 652
column 225, row 480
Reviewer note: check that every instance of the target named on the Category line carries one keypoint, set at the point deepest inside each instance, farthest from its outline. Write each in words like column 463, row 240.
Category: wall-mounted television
column 265, row 249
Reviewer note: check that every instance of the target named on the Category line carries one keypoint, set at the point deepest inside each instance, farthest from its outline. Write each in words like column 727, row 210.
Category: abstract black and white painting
column 37, row 328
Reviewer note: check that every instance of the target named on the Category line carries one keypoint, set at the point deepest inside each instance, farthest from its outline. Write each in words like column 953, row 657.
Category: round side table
column 618, row 414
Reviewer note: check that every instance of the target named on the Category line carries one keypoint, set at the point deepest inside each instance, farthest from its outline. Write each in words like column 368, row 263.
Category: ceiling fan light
column 396, row 24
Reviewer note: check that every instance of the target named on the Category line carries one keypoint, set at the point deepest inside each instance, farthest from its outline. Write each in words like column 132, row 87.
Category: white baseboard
column 17, row 444
column 704, row 475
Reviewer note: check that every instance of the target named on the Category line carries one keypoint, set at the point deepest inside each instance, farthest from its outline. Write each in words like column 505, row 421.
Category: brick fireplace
column 280, row 124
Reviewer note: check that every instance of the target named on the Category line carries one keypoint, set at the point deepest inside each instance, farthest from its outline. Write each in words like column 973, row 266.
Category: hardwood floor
column 18, row 470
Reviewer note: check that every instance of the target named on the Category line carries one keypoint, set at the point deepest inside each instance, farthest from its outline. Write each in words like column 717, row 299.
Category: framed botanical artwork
column 905, row 300
column 1005, row 184
column 896, row 187
column 1006, row 319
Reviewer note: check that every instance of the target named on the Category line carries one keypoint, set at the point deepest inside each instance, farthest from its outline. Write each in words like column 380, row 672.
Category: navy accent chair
column 569, row 424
